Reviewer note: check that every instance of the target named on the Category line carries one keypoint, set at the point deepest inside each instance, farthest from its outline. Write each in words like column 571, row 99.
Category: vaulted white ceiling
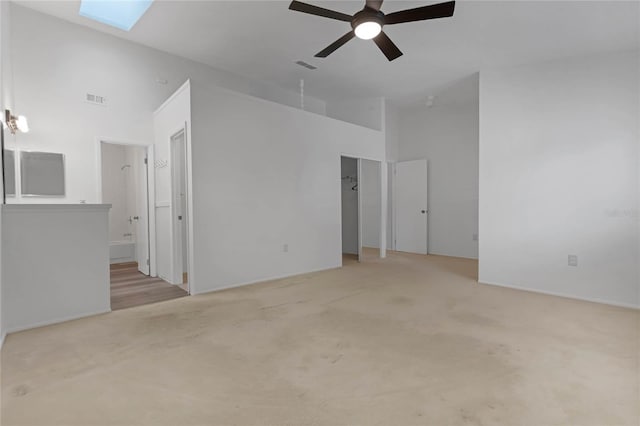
column 263, row 39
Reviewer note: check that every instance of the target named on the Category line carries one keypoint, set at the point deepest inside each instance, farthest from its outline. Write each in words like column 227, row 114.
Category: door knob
column 136, row 218
column 423, row 211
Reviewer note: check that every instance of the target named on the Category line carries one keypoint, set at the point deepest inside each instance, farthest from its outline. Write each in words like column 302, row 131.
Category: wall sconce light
column 16, row 123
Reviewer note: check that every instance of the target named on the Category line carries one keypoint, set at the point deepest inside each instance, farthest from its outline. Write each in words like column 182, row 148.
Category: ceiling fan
column 367, row 24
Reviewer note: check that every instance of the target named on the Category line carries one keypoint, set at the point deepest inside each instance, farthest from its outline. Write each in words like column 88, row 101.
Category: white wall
column 366, row 112
column 265, row 175
column 55, row 70
column 559, row 176
column 391, row 130
column 55, row 263
column 447, row 136
column 349, row 203
column 369, row 188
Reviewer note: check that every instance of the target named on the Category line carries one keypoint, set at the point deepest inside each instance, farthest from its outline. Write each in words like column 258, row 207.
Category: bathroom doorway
column 125, row 184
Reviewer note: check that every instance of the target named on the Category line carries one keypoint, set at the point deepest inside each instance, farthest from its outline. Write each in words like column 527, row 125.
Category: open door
column 142, row 208
column 411, row 206
column 179, row 208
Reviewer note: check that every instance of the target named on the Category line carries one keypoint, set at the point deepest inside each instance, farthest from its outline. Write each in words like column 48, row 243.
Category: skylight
column 121, row 14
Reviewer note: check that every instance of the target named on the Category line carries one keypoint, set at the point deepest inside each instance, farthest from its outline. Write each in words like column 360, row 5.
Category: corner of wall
column 4, row 19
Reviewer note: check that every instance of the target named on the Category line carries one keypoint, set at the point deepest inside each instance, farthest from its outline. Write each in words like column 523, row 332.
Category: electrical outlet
column 573, row 260
column 285, row 248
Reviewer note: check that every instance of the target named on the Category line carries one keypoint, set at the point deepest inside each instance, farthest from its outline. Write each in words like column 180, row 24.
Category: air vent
column 306, row 65
column 96, row 99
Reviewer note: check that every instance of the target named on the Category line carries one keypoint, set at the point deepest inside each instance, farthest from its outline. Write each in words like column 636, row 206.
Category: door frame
column 151, row 193
column 383, row 170
column 176, row 246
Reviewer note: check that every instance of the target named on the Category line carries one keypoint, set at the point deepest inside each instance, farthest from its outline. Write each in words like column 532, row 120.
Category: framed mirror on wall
column 42, row 174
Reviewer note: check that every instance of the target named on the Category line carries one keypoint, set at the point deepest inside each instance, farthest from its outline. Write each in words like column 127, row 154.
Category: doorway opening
column 124, row 183
column 350, row 210
column 362, row 209
column 179, row 213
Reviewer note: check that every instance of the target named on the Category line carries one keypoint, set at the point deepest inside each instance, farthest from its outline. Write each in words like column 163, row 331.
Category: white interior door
column 142, row 211
column 179, row 204
column 411, row 206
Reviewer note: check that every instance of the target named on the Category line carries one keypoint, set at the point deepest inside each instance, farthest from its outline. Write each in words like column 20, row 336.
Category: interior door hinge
column 147, row 262
column 146, row 161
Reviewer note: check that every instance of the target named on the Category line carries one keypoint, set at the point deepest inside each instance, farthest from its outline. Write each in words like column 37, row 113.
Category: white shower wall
column 119, row 171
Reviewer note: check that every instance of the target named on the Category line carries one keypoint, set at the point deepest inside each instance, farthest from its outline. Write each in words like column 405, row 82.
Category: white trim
column 57, row 321
column 564, row 295
column 359, row 182
column 452, row 255
column 266, row 280
column 190, row 239
column 358, row 156
column 2, row 340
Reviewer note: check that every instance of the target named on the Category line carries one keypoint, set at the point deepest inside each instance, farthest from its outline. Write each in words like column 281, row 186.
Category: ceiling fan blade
column 385, row 44
column 434, row 11
column 335, row 45
column 318, row 11
column 374, row 4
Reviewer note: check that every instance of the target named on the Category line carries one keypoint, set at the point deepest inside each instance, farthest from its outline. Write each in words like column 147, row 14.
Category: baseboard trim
column 2, row 339
column 451, row 256
column 56, row 321
column 564, row 295
column 264, row 280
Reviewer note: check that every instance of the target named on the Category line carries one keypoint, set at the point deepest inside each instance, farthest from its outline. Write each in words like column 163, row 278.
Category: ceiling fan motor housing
column 367, row 15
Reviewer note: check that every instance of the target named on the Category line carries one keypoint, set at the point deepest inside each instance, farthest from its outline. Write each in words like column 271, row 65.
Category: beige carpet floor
column 410, row 340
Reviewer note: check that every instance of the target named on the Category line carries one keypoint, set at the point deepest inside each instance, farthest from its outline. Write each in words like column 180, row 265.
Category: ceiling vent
column 306, row 65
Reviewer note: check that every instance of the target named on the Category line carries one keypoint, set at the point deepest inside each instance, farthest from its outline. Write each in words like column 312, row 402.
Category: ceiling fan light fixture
column 367, row 24
column 368, row 30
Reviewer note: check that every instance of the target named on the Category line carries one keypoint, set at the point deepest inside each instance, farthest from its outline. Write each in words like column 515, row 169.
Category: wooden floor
column 129, row 287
